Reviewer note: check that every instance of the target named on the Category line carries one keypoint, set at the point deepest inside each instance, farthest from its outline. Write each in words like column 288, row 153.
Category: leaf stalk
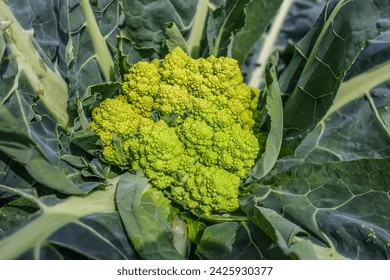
column 50, row 87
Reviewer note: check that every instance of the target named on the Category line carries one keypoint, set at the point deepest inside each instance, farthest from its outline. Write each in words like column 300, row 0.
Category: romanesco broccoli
column 202, row 156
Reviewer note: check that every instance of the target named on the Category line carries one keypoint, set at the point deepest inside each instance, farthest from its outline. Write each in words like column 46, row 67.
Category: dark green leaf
column 377, row 52
column 351, row 133
column 174, row 38
column 171, row 119
column 212, row 246
column 88, row 225
column 299, row 20
column 13, row 174
column 87, row 140
column 27, row 72
column 16, row 213
column 44, row 20
column 96, row 236
column 275, row 135
column 237, row 241
column 144, row 212
column 94, row 96
column 92, row 28
column 145, row 20
column 194, row 227
column 258, row 15
column 278, row 229
column 223, row 23
column 275, row 226
column 16, row 144
column 337, row 202
column 122, row 65
column 322, row 59
column 2, row 46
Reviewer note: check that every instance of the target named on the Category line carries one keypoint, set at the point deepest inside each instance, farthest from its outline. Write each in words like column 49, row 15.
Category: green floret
column 114, row 116
column 209, row 190
column 141, row 86
column 159, row 153
column 178, row 95
column 115, row 119
column 203, row 153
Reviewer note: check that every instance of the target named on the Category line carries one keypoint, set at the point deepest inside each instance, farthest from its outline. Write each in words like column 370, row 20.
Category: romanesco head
column 201, row 157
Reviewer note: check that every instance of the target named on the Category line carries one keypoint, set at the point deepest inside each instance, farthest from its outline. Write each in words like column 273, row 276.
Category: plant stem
column 103, row 55
column 47, row 84
column 198, row 24
column 257, row 76
column 359, row 85
column 218, row 39
column 225, row 218
column 52, row 218
column 377, row 115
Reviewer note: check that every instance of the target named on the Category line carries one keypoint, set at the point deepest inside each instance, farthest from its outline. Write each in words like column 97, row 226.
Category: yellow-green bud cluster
column 202, row 158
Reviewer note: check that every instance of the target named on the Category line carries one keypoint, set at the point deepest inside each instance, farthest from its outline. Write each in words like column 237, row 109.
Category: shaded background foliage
column 321, row 190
